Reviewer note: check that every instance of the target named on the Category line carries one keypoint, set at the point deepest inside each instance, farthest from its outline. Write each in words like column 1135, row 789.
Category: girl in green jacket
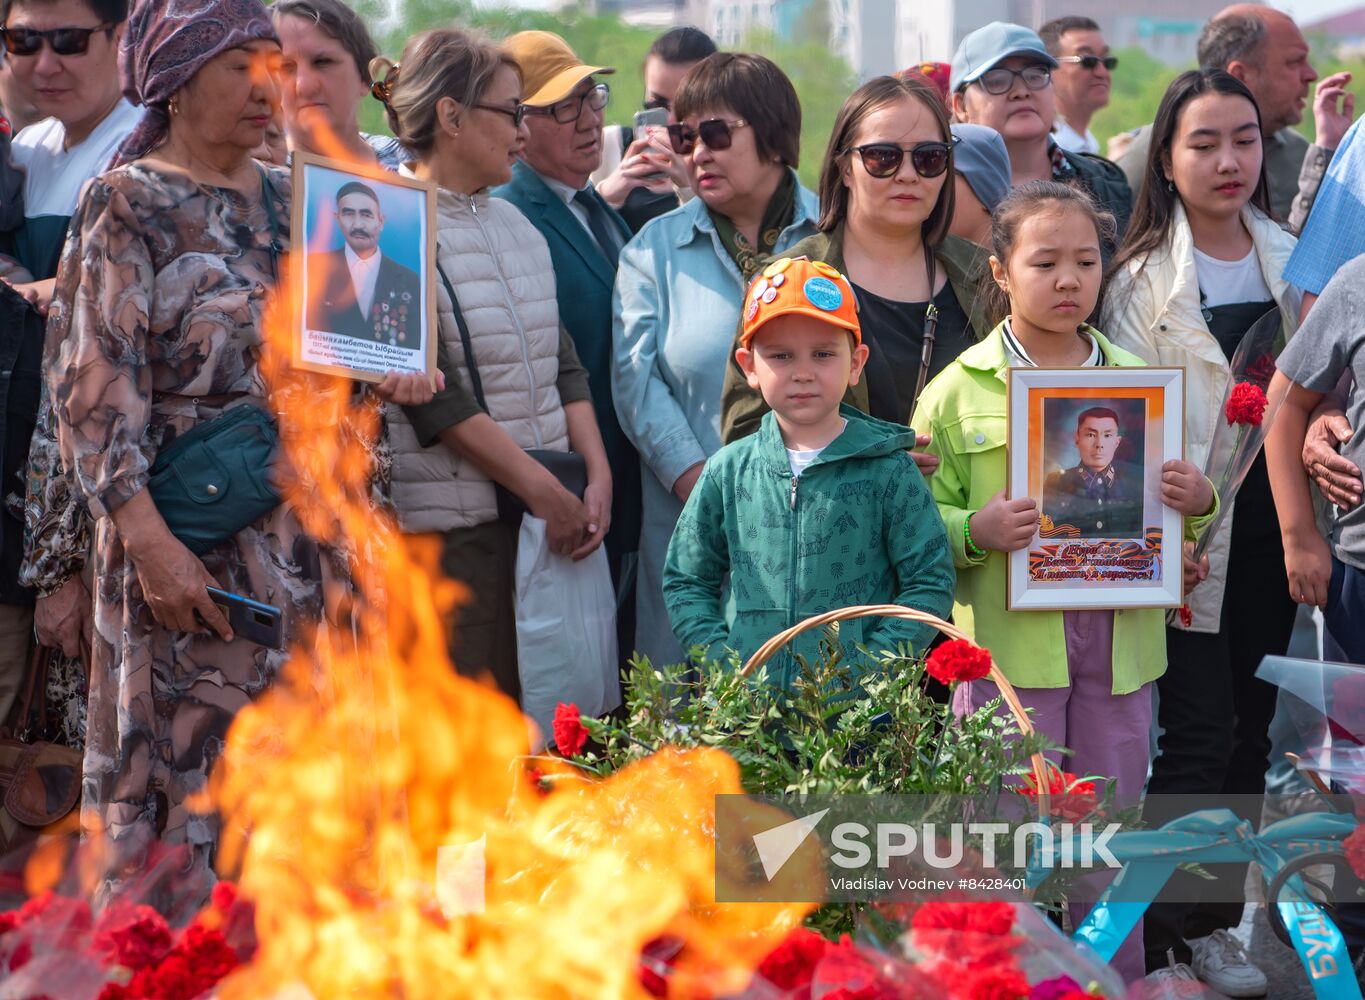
column 1085, row 675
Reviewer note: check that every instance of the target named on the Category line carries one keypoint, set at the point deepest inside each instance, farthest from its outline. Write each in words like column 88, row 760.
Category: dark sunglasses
column 658, row 104
column 516, row 114
column 1088, row 63
column 715, row 132
column 1001, row 81
column 64, row 41
column 884, row 159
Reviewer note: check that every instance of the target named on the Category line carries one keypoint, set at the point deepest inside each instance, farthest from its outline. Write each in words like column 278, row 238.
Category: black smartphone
column 251, row 620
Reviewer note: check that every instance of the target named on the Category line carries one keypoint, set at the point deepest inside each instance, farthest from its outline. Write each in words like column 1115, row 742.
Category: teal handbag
column 212, row 481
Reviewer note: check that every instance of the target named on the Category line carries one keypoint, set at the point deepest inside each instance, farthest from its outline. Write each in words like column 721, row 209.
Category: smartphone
column 251, row 620
column 649, row 118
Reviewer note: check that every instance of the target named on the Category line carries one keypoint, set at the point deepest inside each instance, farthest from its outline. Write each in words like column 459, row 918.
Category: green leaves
column 869, row 727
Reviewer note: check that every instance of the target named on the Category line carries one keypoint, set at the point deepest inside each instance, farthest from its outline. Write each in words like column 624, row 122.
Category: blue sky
column 1314, row 10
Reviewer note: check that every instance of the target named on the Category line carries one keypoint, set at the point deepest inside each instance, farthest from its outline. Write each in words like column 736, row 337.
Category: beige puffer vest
column 500, row 267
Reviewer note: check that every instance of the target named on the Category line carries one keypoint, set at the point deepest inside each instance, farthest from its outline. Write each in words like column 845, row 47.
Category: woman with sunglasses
column 886, row 198
column 325, row 74
column 455, row 102
column 1002, row 78
column 680, row 285
column 1202, row 262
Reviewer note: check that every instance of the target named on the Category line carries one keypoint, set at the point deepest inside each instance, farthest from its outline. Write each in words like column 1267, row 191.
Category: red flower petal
column 958, row 660
column 570, row 736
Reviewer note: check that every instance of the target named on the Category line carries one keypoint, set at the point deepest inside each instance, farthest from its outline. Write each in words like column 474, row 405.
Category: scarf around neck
column 776, row 217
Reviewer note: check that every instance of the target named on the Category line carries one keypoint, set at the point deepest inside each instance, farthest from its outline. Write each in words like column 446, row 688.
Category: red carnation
column 997, row 982
column 1246, row 404
column 133, row 936
column 1072, row 798
column 791, row 965
column 570, row 736
column 1354, row 846
column 958, row 660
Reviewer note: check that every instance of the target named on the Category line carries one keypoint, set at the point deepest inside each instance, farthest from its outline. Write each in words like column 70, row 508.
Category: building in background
column 882, row 36
column 1342, row 34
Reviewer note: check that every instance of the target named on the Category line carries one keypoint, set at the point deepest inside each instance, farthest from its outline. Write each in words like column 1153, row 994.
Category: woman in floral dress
column 155, row 328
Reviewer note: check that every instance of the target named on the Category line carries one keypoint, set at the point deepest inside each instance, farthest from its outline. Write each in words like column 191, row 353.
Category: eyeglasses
column 884, row 159
column 1001, row 80
column 714, row 132
column 658, row 104
column 1088, row 63
column 64, row 41
column 570, row 108
column 516, row 114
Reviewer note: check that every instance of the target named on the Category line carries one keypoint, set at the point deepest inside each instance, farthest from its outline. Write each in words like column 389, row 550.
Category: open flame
column 340, row 787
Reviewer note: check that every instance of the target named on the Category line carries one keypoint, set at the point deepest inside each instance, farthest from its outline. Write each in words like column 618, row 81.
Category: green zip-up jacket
column 858, row 527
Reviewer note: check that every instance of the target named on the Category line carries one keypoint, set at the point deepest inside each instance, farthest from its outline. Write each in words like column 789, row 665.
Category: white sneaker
column 1176, row 980
column 1220, row 961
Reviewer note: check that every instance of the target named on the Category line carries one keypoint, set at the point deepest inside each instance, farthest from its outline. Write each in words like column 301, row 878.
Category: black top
column 894, row 334
column 1229, row 323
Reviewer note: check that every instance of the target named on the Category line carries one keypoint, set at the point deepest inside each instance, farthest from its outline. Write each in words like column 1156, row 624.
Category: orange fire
column 341, row 786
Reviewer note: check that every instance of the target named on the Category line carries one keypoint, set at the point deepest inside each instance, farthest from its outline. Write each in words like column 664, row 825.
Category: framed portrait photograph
column 363, row 270
column 1088, row 444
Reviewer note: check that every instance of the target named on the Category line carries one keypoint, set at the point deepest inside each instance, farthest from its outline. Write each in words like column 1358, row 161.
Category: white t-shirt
column 798, row 459
column 1224, row 282
column 55, row 176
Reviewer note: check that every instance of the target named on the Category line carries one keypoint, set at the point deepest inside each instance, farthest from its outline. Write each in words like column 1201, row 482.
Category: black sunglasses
column 1089, row 63
column 516, row 114
column 64, row 41
column 884, row 159
column 658, row 104
column 715, row 132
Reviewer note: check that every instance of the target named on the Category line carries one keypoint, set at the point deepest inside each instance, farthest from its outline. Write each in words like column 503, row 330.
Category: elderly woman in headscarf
column 155, row 330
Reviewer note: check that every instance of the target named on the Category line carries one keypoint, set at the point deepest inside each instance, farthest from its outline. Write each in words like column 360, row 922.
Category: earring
column 172, row 107
column 1170, row 186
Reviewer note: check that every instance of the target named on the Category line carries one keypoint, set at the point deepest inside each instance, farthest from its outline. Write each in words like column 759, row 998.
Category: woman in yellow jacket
column 1085, row 675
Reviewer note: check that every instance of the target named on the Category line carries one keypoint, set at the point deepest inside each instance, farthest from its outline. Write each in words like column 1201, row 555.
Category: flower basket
column 770, row 648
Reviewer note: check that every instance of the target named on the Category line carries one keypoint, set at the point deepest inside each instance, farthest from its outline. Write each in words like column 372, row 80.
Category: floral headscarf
column 166, row 43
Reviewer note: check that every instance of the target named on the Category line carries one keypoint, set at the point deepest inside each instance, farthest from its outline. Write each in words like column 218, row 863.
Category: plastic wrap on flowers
column 1326, row 704
column 985, row 948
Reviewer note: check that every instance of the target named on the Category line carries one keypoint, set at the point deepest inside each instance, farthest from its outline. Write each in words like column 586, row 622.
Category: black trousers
column 1216, row 714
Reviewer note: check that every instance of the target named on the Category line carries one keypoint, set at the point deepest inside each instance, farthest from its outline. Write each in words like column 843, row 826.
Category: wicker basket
column 765, row 652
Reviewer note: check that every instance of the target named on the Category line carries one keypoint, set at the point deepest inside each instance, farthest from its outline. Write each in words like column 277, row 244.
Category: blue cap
column 985, row 47
column 983, row 161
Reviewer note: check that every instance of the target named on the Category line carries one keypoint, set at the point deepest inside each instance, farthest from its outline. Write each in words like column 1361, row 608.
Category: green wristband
column 972, row 549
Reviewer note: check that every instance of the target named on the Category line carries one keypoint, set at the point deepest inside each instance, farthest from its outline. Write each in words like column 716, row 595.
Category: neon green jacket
column 963, row 409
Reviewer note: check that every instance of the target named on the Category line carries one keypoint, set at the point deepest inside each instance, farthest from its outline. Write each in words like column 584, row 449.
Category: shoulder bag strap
column 268, row 202
column 926, row 353
column 464, row 339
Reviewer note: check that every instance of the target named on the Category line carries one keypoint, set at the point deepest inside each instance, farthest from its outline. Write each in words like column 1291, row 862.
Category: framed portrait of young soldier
column 363, row 270
column 1088, row 444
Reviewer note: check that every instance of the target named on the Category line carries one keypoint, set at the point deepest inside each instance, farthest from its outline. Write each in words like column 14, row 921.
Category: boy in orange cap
column 821, row 509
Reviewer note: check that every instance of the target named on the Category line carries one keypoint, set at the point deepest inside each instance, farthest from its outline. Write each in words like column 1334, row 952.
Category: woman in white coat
column 1202, row 261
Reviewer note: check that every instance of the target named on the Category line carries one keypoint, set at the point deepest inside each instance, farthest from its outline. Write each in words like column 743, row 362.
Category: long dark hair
column 872, row 96
column 1151, row 221
column 1024, row 202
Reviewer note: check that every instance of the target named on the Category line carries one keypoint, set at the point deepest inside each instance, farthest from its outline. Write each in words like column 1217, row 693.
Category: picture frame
column 388, row 323
column 1088, row 445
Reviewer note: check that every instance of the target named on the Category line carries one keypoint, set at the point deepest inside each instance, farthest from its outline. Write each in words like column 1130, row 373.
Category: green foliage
column 1139, row 83
column 822, row 80
column 834, row 732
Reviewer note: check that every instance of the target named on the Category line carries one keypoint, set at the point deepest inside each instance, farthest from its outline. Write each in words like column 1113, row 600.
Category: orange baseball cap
column 804, row 287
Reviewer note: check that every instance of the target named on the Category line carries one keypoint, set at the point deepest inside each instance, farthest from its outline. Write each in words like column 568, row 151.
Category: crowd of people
column 737, row 359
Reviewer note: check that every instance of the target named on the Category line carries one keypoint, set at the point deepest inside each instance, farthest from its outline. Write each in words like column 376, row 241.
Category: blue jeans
column 1343, row 639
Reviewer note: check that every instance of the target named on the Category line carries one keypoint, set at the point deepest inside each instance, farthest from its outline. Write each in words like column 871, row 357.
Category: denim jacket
column 677, row 301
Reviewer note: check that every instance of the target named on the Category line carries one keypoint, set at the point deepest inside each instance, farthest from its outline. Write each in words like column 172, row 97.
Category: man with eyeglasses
column 1081, row 80
column 640, row 176
column 551, row 185
column 1002, row 78
column 63, row 55
column 1264, row 49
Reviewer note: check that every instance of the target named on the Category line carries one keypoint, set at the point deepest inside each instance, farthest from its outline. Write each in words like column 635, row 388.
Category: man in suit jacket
column 358, row 291
column 1100, row 497
column 551, row 186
